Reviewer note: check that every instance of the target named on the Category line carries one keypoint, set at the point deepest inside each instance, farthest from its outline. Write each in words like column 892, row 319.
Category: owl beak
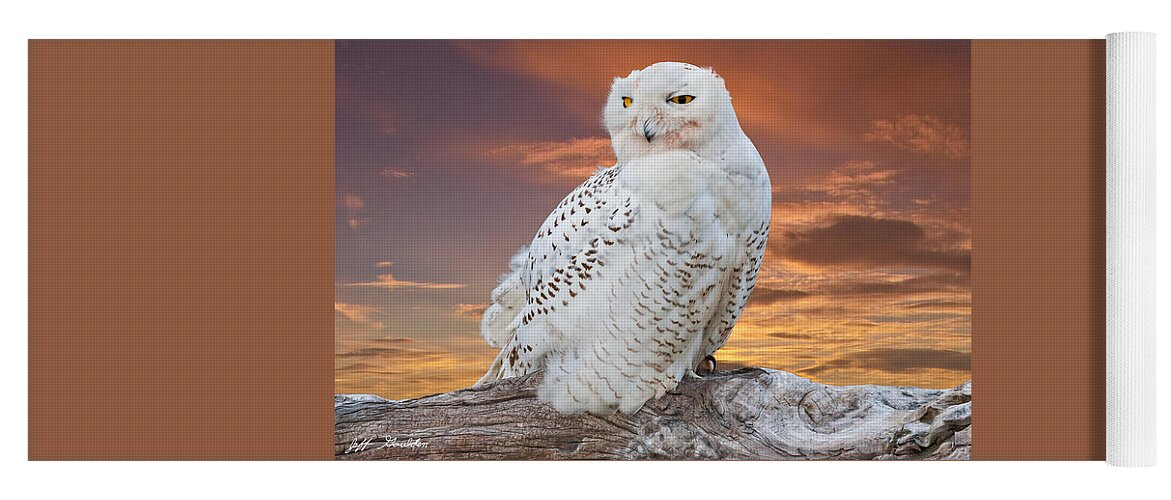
column 647, row 132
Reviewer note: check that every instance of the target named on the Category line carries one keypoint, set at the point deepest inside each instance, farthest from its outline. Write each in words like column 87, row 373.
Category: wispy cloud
column 354, row 205
column 861, row 182
column 764, row 296
column 395, row 174
column 389, row 282
column 921, row 134
column 901, row 286
column 354, row 202
column 572, row 160
column 358, row 313
column 897, row 360
column 470, row 311
column 403, row 367
column 383, row 347
column 940, row 304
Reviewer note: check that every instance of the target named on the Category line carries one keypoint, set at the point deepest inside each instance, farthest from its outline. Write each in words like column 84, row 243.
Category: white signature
column 360, row 445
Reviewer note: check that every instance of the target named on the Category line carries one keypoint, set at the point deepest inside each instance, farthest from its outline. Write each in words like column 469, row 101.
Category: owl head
column 667, row 105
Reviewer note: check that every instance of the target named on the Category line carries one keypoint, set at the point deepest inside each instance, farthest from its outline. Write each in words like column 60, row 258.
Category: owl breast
column 637, row 276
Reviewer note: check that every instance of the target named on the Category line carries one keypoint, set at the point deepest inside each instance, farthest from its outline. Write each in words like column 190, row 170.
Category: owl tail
column 512, row 361
column 495, row 371
column 492, row 375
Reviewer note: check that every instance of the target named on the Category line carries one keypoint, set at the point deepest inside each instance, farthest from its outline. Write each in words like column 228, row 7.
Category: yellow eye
column 682, row 99
column 626, row 102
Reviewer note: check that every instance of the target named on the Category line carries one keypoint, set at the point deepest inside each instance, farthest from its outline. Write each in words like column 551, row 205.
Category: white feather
column 506, row 301
column 640, row 272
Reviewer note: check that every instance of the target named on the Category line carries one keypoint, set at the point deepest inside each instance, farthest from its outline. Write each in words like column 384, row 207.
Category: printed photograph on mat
column 652, row 250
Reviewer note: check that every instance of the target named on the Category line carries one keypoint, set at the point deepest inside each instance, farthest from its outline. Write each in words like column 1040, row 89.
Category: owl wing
column 742, row 276
column 552, row 272
column 575, row 241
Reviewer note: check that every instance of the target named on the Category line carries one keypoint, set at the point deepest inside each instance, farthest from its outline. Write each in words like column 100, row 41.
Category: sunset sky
column 451, row 154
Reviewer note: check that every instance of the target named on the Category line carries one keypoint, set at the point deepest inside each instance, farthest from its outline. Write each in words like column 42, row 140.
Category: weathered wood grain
column 746, row 414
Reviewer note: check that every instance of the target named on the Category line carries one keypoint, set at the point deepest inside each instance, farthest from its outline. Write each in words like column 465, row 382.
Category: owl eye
column 626, row 102
column 682, row 99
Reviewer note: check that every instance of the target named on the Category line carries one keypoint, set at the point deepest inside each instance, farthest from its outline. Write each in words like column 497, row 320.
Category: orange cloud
column 853, row 343
column 354, row 205
column 471, row 311
column 389, row 282
column 358, row 313
column 895, row 360
column 921, row 134
column 572, row 160
column 765, row 296
column 399, row 368
column 770, row 81
column 858, row 182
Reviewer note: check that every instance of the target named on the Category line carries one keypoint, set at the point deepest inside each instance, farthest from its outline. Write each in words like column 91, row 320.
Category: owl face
column 666, row 105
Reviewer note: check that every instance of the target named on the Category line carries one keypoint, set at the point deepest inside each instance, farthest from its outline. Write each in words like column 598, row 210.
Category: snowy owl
column 638, row 276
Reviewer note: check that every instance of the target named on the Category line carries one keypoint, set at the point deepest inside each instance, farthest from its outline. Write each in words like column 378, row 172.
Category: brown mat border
column 1039, row 249
column 181, row 249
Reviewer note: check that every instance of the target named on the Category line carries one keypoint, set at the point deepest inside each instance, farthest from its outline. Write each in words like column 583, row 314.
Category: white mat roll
column 1130, row 249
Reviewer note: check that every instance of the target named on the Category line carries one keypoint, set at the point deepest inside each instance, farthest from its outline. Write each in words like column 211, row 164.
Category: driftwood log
column 746, row 414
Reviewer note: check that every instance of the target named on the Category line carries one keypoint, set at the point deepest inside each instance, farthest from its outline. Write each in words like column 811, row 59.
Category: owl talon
column 711, row 361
